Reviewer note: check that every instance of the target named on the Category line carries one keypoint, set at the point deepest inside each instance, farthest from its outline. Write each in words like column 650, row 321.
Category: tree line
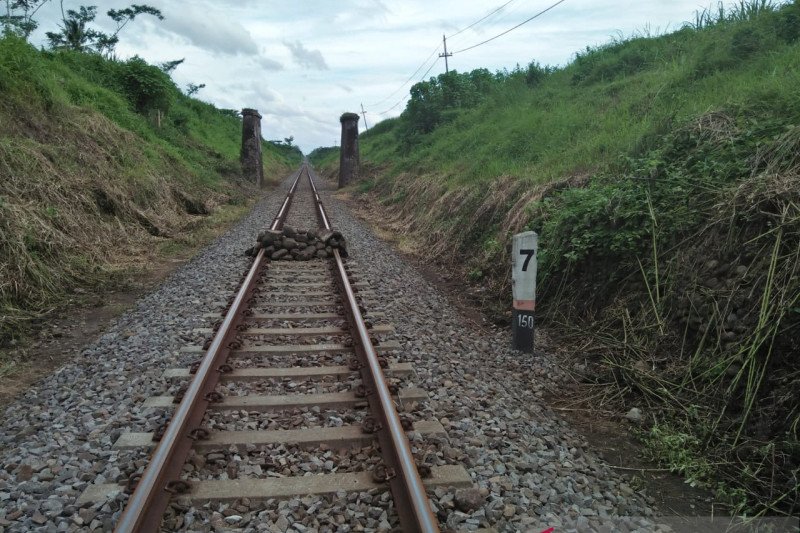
column 75, row 33
column 441, row 98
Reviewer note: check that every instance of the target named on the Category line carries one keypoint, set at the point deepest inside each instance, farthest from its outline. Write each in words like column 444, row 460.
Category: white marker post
column 523, row 286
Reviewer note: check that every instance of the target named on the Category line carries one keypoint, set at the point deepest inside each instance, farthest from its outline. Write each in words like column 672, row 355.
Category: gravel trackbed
column 530, row 471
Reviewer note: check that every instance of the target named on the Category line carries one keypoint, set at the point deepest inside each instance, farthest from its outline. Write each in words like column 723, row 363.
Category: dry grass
column 725, row 379
column 80, row 201
column 702, row 334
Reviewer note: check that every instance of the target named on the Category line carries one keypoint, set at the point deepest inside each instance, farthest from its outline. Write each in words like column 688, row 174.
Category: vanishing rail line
column 319, row 291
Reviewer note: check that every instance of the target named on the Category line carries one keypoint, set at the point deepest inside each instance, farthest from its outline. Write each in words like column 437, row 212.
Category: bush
column 613, row 61
column 180, row 118
column 535, row 74
column 788, row 23
column 323, row 154
column 381, row 127
column 147, row 87
column 746, row 41
column 440, row 99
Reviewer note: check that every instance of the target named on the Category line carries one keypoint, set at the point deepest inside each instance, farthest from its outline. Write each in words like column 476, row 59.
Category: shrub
column 610, row 62
column 381, row 127
column 788, row 23
column 535, row 73
column 147, row 87
column 746, row 41
column 712, row 59
column 180, row 118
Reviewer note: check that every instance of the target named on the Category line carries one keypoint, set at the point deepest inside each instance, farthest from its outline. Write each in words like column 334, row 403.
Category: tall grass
column 611, row 99
column 744, row 10
column 89, row 181
column 661, row 172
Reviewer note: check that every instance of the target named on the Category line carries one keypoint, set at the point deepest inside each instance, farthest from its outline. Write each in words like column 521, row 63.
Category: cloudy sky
column 302, row 64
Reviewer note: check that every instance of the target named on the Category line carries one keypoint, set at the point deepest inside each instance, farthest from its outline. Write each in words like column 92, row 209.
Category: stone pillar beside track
column 250, row 157
column 348, row 155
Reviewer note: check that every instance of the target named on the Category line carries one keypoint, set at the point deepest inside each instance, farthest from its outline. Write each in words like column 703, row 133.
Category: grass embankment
column 663, row 176
column 324, row 156
column 103, row 163
column 326, row 161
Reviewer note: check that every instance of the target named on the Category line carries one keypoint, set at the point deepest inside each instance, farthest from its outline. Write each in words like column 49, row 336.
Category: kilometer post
column 523, row 286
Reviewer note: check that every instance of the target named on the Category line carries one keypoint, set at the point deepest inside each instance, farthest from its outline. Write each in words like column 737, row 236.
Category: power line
column 405, row 97
column 437, row 49
column 446, row 55
column 482, row 19
column 537, row 15
column 409, row 78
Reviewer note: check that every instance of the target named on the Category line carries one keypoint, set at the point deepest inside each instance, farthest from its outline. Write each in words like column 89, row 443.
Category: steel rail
column 411, row 500
column 287, row 202
column 146, row 506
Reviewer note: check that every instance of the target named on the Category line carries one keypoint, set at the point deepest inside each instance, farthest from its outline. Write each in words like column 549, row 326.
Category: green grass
column 101, row 161
column 193, row 134
column 610, row 100
column 324, row 156
column 662, row 175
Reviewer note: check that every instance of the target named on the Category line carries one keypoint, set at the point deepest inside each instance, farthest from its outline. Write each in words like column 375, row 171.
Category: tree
column 440, row 99
column 148, row 87
column 192, row 88
column 21, row 24
column 122, row 17
column 75, row 34
column 289, row 140
column 169, row 66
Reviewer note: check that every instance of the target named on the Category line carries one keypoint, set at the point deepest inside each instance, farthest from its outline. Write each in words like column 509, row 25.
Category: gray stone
column 484, row 394
column 634, row 415
column 469, row 499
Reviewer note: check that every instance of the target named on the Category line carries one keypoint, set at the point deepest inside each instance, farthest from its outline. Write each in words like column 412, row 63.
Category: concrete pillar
column 348, row 155
column 252, row 167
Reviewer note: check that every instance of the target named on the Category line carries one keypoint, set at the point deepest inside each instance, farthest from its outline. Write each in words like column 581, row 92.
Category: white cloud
column 306, row 58
column 249, row 55
column 362, row 13
column 218, row 35
column 268, row 64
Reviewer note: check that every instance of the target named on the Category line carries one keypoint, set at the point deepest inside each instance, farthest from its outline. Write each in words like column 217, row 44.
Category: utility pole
column 364, row 113
column 445, row 55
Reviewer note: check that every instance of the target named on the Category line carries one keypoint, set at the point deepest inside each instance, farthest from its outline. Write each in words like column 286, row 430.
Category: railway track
column 297, row 365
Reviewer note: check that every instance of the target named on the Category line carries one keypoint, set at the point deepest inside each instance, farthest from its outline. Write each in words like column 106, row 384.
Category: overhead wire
column 537, row 15
column 498, row 9
column 405, row 97
column 439, row 47
column 462, row 30
column 409, row 78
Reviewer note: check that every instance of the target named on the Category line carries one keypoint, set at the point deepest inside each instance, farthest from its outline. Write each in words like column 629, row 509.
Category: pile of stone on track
column 290, row 244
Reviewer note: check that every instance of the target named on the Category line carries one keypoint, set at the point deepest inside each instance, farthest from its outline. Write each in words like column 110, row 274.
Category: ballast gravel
column 57, row 438
column 530, row 471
